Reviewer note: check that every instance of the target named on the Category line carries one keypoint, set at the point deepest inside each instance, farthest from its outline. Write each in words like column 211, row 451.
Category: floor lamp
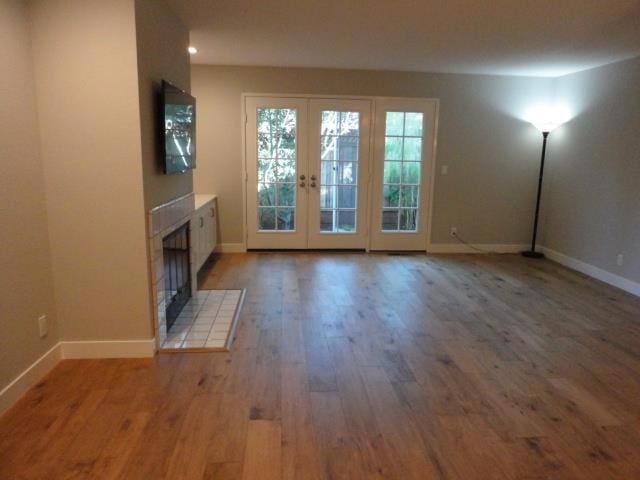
column 545, row 129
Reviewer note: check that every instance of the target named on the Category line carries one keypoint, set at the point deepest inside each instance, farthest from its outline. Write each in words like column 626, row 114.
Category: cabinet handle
column 212, row 212
column 201, row 222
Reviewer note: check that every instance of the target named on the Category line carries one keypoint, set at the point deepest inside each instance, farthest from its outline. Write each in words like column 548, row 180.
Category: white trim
column 592, row 271
column 479, row 248
column 109, row 348
column 30, row 377
column 231, row 248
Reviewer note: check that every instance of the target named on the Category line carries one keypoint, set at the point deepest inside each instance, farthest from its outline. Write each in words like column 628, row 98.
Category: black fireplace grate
column 177, row 273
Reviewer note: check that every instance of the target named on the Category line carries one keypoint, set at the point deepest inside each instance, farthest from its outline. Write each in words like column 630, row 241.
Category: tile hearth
column 205, row 321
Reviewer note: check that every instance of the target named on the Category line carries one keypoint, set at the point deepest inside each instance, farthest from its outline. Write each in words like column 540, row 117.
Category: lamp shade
column 547, row 118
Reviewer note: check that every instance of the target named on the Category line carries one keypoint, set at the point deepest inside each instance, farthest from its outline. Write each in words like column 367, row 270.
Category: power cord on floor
column 457, row 237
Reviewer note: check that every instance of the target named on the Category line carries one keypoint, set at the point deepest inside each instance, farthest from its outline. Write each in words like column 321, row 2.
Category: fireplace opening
column 177, row 275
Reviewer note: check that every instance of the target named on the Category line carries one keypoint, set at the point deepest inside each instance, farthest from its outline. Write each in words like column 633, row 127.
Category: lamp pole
column 532, row 253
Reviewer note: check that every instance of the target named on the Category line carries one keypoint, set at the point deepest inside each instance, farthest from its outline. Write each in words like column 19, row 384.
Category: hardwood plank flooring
column 354, row 366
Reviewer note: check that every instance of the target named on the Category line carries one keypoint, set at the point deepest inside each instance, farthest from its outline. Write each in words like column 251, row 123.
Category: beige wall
column 26, row 279
column 87, row 99
column 162, row 42
column 491, row 153
column 592, row 195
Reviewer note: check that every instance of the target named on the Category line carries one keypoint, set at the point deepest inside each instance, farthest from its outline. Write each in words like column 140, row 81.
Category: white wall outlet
column 445, row 169
column 453, row 232
column 43, row 327
column 620, row 260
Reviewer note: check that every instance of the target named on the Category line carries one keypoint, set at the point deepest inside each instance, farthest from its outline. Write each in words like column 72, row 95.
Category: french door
column 307, row 164
column 312, row 181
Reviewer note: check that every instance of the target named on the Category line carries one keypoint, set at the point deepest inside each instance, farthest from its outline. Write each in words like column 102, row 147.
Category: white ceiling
column 511, row 37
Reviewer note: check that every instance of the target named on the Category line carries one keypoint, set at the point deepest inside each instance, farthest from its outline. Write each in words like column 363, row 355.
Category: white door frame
column 432, row 146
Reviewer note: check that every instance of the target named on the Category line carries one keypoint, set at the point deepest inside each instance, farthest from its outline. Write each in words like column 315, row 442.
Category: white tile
column 215, row 343
column 197, row 335
column 201, row 327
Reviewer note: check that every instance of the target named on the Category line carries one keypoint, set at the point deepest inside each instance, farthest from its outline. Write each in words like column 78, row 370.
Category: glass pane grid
column 276, row 147
column 402, row 167
column 339, row 144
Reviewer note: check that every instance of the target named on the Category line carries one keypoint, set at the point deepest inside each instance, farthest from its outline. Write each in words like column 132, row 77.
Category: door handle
column 302, row 184
column 313, row 184
column 313, row 177
column 302, row 177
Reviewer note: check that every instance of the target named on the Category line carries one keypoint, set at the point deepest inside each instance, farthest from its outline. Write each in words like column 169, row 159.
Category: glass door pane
column 401, row 174
column 276, row 165
column 339, row 138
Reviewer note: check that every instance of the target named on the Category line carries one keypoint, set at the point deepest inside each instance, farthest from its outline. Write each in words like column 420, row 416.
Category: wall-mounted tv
column 178, row 115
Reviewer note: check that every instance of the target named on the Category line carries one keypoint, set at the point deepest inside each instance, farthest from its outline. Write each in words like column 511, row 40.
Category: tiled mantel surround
column 162, row 220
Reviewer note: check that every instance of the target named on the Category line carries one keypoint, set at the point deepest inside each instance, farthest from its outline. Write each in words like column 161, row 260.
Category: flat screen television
column 178, row 115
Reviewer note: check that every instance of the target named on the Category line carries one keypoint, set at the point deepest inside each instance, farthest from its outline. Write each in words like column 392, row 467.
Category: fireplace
column 177, row 272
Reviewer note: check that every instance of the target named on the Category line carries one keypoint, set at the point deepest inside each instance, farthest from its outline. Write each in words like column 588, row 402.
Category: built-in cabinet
column 203, row 229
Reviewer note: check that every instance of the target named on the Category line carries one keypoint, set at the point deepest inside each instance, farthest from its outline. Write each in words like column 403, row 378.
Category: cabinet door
column 211, row 228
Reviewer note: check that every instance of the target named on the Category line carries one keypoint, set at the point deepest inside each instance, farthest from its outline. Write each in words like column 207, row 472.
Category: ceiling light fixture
column 192, row 50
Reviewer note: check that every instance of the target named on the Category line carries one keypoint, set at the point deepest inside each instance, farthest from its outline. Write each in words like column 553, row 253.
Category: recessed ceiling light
column 192, row 50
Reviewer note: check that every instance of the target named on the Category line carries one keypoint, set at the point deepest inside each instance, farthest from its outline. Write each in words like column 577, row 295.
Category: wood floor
column 350, row 366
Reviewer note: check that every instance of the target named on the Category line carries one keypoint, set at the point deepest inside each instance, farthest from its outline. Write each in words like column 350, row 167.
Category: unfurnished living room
column 280, row 240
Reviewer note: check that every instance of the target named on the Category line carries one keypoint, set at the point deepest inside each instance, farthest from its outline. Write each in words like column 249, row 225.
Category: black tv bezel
column 168, row 87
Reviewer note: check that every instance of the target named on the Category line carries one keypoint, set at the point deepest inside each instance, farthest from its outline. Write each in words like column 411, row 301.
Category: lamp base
column 530, row 254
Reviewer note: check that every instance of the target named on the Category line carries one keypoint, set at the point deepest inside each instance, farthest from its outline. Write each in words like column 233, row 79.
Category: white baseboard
column 109, row 348
column 479, row 248
column 231, row 248
column 31, row 376
column 74, row 350
column 594, row 272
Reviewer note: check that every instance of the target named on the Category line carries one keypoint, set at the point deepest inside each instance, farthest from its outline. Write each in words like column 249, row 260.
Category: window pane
column 286, row 194
column 347, row 173
column 266, row 194
column 393, row 148
column 411, row 173
column 350, row 123
column 346, row 220
column 402, row 175
column 412, row 149
column 328, row 147
column 266, row 170
column 283, row 120
column 390, row 219
column 286, row 170
column 327, row 197
column 413, row 124
column 392, row 172
column 326, row 220
column 391, row 196
column 265, row 146
column 328, row 173
column 348, row 148
column 286, row 219
column 409, row 196
column 346, row 197
column 408, row 217
column 339, row 142
column 267, row 218
column 394, row 124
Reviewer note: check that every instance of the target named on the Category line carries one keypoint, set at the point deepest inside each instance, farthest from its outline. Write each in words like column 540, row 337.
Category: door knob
column 313, row 184
column 302, row 184
column 302, row 177
column 313, row 177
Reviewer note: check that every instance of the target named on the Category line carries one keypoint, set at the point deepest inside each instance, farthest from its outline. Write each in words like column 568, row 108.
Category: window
column 402, row 171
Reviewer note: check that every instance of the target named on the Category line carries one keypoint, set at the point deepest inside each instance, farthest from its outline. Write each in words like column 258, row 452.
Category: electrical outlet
column 453, row 232
column 43, row 326
column 620, row 260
